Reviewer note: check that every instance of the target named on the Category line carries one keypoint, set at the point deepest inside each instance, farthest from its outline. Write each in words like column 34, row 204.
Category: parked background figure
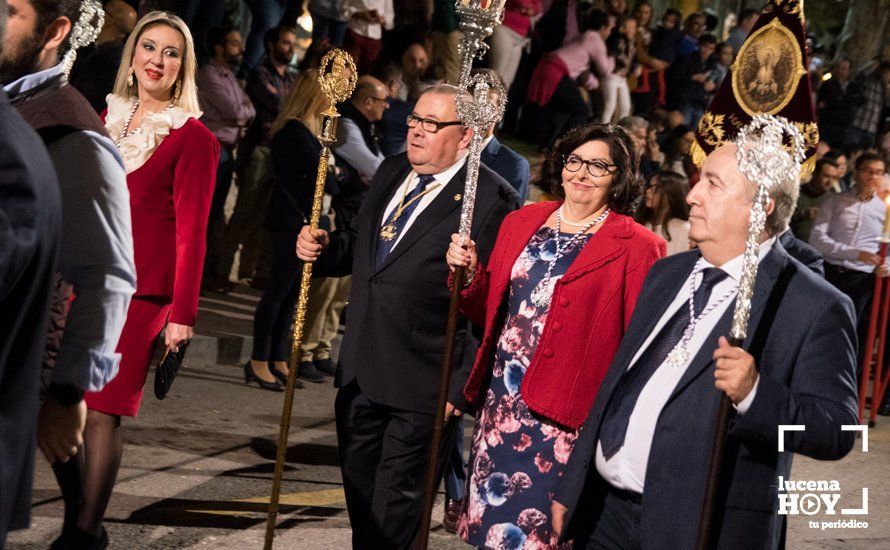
column 267, row 86
column 328, row 23
column 510, row 38
column 557, row 103
column 664, row 210
column 295, row 153
column 264, row 15
column 227, row 112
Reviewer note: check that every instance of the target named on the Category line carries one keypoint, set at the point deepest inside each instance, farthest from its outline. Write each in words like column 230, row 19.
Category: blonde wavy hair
column 305, row 102
column 188, row 97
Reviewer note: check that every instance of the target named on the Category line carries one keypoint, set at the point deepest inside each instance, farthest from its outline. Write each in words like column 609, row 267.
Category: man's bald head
column 370, row 97
column 120, row 19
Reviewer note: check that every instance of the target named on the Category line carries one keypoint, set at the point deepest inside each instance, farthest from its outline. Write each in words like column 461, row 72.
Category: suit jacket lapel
column 437, row 210
column 651, row 307
column 768, row 271
column 393, row 186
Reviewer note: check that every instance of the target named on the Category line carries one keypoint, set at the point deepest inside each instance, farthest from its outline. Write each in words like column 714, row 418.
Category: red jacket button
column 557, row 327
column 548, row 353
column 563, row 302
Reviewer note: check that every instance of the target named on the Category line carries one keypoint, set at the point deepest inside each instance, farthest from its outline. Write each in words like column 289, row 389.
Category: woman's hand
column 174, row 335
column 462, row 256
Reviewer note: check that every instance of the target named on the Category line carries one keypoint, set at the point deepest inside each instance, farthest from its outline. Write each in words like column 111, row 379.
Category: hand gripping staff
column 337, row 76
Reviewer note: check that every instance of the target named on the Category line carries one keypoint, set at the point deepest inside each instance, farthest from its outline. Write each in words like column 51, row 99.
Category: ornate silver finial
column 763, row 155
column 477, row 20
column 767, row 161
column 479, row 109
column 85, row 31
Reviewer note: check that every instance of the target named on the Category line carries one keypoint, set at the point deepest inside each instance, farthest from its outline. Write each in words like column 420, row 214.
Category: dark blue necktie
column 384, row 247
column 624, row 399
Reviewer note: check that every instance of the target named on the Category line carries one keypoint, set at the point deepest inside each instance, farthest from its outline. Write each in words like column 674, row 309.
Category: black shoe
column 325, row 366
column 217, row 285
column 249, row 376
column 283, row 378
column 79, row 539
column 307, row 371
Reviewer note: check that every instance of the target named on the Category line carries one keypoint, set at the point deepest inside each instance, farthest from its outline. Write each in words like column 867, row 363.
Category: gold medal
column 388, row 232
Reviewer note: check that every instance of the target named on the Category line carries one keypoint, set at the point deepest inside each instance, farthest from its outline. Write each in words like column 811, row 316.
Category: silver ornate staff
column 765, row 160
column 86, row 30
column 478, row 18
column 478, row 110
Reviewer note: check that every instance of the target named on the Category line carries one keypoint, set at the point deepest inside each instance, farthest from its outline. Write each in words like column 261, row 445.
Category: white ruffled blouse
column 136, row 148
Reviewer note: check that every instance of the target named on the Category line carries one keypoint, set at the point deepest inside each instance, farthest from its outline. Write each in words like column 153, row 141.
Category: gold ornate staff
column 337, row 76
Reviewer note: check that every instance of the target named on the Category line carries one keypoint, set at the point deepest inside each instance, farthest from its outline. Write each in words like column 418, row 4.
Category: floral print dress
column 518, row 456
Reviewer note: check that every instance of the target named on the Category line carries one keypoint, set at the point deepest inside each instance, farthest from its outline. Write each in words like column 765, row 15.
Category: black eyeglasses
column 430, row 125
column 596, row 168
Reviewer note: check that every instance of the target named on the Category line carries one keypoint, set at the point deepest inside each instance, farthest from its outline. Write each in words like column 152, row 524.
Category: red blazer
column 590, row 310
column 170, row 203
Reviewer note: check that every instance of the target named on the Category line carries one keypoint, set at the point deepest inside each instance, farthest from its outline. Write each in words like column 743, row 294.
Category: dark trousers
column 333, row 30
column 618, row 527
column 859, row 286
column 383, row 459
column 363, row 50
column 264, row 14
column 565, row 110
column 275, row 312
column 216, row 224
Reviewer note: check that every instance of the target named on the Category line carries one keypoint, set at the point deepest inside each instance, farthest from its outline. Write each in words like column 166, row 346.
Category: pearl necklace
column 125, row 131
column 543, row 292
column 573, row 224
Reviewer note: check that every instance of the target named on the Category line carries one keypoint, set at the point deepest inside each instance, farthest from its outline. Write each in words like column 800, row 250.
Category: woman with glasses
column 555, row 299
column 664, row 210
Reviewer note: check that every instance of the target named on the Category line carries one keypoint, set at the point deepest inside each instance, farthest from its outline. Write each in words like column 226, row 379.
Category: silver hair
column 446, row 89
column 631, row 123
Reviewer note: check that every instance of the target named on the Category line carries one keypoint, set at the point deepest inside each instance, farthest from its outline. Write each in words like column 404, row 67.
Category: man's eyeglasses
column 428, row 124
column 875, row 172
column 596, row 168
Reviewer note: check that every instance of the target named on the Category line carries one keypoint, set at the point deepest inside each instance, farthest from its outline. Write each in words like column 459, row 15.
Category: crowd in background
column 563, row 63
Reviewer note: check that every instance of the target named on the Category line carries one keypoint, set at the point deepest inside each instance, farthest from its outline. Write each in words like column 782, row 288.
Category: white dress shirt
column 442, row 179
column 627, row 468
column 845, row 225
column 353, row 149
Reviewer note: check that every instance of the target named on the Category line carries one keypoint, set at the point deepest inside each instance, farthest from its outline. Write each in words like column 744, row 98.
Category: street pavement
column 197, row 467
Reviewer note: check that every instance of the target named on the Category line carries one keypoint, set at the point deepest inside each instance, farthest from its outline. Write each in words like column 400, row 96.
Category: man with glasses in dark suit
column 389, row 363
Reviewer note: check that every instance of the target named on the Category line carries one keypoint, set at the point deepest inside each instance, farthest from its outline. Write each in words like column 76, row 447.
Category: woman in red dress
column 171, row 161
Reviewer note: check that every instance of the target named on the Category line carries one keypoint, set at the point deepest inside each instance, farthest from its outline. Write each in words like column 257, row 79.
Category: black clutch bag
column 167, row 369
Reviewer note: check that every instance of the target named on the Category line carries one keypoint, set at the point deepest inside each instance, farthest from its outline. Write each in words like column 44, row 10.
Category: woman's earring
column 130, row 77
column 178, row 90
